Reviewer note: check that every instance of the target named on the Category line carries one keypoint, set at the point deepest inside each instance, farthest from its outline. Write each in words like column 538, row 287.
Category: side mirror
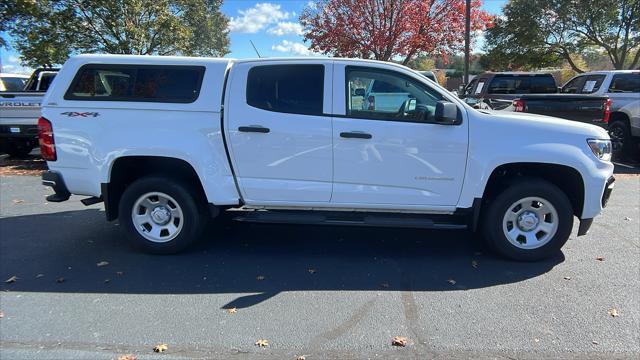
column 359, row 92
column 446, row 113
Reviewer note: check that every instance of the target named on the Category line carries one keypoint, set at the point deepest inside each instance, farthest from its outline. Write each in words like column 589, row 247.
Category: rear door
column 279, row 133
column 388, row 158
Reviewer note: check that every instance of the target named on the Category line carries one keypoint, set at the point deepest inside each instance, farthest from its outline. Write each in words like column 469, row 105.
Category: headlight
column 601, row 148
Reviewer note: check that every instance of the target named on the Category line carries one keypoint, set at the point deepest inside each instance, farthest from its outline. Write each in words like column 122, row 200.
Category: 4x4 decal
column 82, row 114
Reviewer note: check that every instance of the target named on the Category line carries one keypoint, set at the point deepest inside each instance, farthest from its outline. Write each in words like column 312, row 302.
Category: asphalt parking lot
column 322, row 292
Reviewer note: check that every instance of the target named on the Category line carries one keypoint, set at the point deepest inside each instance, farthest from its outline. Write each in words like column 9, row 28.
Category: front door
column 392, row 156
column 279, row 136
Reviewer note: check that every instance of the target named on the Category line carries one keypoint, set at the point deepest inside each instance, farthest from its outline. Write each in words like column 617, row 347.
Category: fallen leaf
column 39, row 276
column 567, row 277
column 232, row 310
column 18, row 201
column 627, row 218
column 536, row 340
column 474, row 264
column 613, row 312
column 594, row 342
column 11, row 279
column 127, row 357
column 451, row 281
column 262, row 343
column 301, row 357
column 260, row 277
column 102, row 263
column 160, row 348
column 385, row 285
column 600, row 258
column 119, row 273
column 312, row 271
column 60, row 280
column 399, row 341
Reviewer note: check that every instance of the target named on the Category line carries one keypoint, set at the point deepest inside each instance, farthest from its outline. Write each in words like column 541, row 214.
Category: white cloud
column 14, row 59
column 286, row 28
column 12, row 65
column 291, row 47
column 257, row 18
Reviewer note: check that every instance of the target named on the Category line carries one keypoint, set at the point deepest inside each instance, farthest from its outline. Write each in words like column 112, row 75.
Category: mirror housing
column 446, row 113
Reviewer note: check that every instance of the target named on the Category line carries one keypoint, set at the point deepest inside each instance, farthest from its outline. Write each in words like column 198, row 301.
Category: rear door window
column 294, row 89
column 625, row 83
column 138, row 83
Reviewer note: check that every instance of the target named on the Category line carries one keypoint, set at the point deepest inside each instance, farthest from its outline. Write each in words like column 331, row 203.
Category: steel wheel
column 530, row 223
column 157, row 217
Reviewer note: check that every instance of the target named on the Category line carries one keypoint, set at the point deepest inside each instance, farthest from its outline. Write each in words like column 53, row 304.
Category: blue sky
column 271, row 25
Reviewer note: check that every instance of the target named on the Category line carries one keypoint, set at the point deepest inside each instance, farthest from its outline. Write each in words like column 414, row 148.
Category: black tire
column 19, row 150
column 194, row 218
column 495, row 210
column 620, row 134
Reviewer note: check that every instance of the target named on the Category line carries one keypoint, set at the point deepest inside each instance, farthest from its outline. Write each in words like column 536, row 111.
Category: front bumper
column 585, row 224
column 54, row 180
column 608, row 189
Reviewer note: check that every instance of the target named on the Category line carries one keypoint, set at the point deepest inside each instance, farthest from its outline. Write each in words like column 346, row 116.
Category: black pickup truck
column 536, row 93
column 588, row 109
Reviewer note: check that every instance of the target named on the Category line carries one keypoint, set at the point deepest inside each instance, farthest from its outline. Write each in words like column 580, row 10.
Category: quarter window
column 386, row 95
column 140, row 83
column 295, row 89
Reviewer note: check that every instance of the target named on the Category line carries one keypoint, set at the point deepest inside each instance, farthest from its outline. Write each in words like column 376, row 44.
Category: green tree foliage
column 51, row 30
column 539, row 33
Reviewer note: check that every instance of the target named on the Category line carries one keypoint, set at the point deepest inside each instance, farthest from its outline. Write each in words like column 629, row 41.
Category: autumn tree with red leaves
column 389, row 29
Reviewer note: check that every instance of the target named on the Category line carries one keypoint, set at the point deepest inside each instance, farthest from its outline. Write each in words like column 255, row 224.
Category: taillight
column 607, row 111
column 518, row 104
column 45, row 138
column 372, row 102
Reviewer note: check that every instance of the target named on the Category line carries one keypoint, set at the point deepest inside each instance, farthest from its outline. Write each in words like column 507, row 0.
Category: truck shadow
column 59, row 252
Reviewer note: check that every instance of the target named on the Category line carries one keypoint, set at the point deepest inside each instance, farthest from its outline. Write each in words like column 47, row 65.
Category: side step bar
column 450, row 222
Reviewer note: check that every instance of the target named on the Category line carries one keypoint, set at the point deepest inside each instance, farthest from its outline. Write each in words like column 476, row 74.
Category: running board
column 449, row 222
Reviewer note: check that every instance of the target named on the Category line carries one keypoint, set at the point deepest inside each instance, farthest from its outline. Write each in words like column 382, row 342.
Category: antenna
column 254, row 48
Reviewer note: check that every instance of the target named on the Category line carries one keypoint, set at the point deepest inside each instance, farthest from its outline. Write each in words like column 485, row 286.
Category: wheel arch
column 568, row 179
column 126, row 169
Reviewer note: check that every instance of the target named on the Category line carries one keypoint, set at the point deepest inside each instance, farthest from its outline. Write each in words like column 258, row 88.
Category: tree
column 539, row 33
column 54, row 29
column 387, row 29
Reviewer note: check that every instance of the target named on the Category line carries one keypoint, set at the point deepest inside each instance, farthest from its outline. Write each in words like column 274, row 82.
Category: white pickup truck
column 168, row 142
column 19, row 112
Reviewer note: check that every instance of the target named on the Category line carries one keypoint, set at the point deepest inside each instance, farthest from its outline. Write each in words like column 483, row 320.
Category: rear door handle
column 355, row 135
column 254, row 128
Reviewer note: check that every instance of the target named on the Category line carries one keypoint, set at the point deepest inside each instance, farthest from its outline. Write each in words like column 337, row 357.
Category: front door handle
column 355, row 135
column 254, row 128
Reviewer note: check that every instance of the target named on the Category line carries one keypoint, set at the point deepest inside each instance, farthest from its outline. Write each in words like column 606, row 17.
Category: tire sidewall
column 493, row 220
column 193, row 218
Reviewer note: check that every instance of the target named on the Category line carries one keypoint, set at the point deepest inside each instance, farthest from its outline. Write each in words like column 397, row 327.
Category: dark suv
column 498, row 90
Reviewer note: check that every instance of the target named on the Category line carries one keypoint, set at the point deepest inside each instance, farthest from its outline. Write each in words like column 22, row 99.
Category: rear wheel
column 161, row 215
column 530, row 220
column 620, row 134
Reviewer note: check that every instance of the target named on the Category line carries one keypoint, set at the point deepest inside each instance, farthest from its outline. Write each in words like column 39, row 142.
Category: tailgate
column 20, row 108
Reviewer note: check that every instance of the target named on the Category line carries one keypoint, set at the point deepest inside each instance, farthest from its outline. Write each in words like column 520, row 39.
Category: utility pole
column 467, row 39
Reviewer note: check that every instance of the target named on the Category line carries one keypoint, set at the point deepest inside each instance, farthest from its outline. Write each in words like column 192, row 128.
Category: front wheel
column 530, row 220
column 161, row 215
